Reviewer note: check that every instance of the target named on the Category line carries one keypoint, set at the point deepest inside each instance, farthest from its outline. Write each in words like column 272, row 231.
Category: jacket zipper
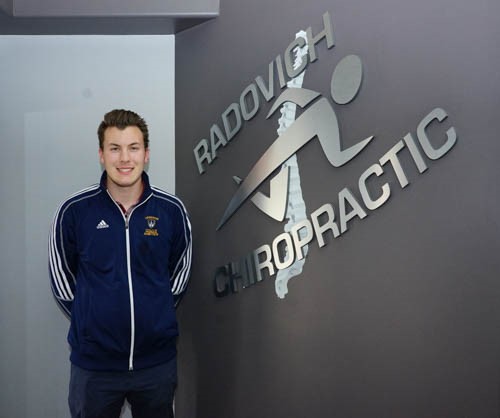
column 129, row 276
column 131, row 293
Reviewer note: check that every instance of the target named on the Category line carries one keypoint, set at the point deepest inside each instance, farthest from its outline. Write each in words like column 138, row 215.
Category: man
column 119, row 261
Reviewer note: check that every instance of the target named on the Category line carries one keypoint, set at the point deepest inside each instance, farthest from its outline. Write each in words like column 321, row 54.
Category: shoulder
column 168, row 199
column 78, row 198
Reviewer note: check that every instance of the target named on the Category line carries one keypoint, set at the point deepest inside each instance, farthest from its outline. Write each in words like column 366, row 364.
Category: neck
column 127, row 196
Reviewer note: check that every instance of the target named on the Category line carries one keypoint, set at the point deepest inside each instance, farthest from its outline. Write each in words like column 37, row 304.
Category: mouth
column 124, row 170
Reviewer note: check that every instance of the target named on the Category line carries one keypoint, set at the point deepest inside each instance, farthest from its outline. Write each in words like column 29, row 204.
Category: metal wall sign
column 285, row 255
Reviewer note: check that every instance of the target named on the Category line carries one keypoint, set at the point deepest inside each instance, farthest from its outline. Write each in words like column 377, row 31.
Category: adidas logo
column 102, row 225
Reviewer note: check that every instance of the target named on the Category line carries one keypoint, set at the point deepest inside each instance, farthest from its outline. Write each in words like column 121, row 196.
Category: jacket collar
column 145, row 182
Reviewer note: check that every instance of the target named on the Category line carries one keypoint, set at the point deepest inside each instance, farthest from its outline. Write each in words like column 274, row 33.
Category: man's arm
column 62, row 258
column 180, row 257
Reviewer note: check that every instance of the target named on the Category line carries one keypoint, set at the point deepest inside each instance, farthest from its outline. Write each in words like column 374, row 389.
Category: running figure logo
column 317, row 120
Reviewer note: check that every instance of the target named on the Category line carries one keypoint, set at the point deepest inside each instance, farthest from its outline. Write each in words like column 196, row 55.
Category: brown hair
column 121, row 119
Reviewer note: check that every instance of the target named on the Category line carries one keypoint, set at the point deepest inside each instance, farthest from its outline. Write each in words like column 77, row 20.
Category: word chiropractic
column 287, row 247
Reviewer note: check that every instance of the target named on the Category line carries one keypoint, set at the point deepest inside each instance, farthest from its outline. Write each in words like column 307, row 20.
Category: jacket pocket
column 156, row 324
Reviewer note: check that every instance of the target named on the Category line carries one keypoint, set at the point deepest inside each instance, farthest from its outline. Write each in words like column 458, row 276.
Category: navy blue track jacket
column 119, row 279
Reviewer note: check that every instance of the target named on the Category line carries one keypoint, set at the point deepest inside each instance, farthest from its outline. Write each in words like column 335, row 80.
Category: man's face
column 123, row 156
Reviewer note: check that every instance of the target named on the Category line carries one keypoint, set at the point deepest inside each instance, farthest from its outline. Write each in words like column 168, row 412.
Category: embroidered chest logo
column 102, row 225
column 151, row 222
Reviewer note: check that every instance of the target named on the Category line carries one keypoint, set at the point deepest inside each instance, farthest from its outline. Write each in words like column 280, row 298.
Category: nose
column 124, row 155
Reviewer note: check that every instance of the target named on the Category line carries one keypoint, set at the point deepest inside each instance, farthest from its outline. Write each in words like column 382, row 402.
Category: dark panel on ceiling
column 128, row 17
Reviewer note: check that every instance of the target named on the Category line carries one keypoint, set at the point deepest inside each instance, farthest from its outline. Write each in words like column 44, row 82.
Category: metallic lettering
column 329, row 225
column 392, row 157
column 217, row 140
column 267, row 92
column 451, row 135
column 345, row 195
column 367, row 200
column 252, row 101
column 290, row 58
column 326, row 33
column 287, row 249
column 234, row 109
column 265, row 263
column 298, row 241
column 415, row 153
column 203, row 156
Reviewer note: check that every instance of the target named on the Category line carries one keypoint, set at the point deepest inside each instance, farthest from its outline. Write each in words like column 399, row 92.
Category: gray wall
column 399, row 316
column 54, row 93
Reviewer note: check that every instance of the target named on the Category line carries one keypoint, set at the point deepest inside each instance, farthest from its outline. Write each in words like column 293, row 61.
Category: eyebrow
column 112, row 144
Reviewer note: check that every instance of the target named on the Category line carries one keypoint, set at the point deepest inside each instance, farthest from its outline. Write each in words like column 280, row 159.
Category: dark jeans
column 150, row 392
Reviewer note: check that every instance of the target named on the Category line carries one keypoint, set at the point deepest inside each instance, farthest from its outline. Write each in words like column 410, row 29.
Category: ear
column 146, row 156
column 101, row 158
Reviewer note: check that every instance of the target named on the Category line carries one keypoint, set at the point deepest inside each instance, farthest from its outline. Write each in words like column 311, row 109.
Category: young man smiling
column 119, row 261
